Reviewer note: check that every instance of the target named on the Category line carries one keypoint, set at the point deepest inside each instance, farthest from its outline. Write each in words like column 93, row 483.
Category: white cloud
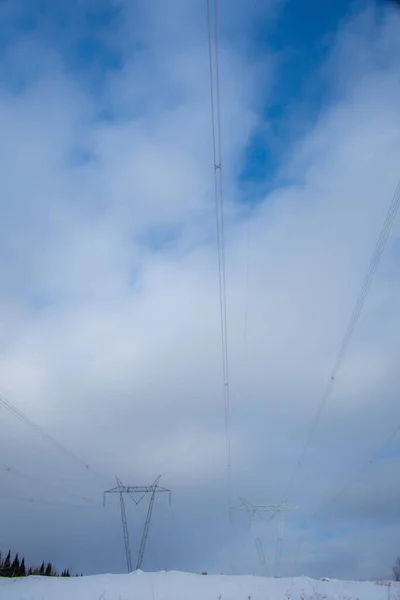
column 110, row 332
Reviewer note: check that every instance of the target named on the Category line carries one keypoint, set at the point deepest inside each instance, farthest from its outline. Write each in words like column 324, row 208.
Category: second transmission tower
column 258, row 509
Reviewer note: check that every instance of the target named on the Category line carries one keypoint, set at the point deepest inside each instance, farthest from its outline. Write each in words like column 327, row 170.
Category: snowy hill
column 184, row 586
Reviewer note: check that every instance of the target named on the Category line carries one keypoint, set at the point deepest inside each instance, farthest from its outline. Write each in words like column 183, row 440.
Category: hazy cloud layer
column 109, row 298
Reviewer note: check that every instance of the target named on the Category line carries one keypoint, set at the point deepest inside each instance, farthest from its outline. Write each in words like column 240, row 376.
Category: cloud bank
column 109, row 302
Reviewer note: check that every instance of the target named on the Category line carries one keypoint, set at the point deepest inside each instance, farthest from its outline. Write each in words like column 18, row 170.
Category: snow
column 185, row 586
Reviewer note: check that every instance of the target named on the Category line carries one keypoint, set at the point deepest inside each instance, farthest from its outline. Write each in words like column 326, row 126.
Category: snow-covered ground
column 185, row 586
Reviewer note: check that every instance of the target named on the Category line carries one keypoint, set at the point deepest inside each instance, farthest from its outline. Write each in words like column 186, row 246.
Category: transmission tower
column 132, row 491
column 261, row 556
column 281, row 509
column 277, row 509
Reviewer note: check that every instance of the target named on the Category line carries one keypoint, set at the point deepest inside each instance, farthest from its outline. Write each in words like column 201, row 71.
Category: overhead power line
column 45, row 435
column 355, row 477
column 41, row 483
column 373, row 265
column 247, row 278
column 246, row 288
column 36, row 501
column 213, row 54
column 332, row 498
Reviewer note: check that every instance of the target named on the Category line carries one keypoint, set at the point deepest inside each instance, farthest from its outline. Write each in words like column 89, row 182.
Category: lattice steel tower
column 131, row 490
column 258, row 509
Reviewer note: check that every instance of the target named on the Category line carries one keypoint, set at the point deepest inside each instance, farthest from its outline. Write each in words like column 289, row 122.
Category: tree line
column 17, row 568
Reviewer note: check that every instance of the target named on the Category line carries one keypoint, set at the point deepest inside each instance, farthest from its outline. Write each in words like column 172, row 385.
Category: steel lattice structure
column 256, row 510
column 133, row 490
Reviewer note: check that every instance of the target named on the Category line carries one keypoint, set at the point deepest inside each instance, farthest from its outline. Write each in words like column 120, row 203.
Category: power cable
column 373, row 265
column 350, row 481
column 35, row 501
column 247, row 280
column 354, row 478
column 245, row 360
column 213, row 53
column 44, row 435
column 39, row 482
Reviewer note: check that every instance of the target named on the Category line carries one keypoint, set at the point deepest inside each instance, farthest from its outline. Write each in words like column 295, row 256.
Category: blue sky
column 300, row 37
column 109, row 336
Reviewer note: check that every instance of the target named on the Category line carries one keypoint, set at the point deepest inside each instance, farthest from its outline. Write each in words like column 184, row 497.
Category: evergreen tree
column 396, row 569
column 19, row 569
column 22, row 570
column 15, row 566
column 7, row 565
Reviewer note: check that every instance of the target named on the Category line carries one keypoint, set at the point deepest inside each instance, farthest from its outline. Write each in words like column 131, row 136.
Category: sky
column 109, row 329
